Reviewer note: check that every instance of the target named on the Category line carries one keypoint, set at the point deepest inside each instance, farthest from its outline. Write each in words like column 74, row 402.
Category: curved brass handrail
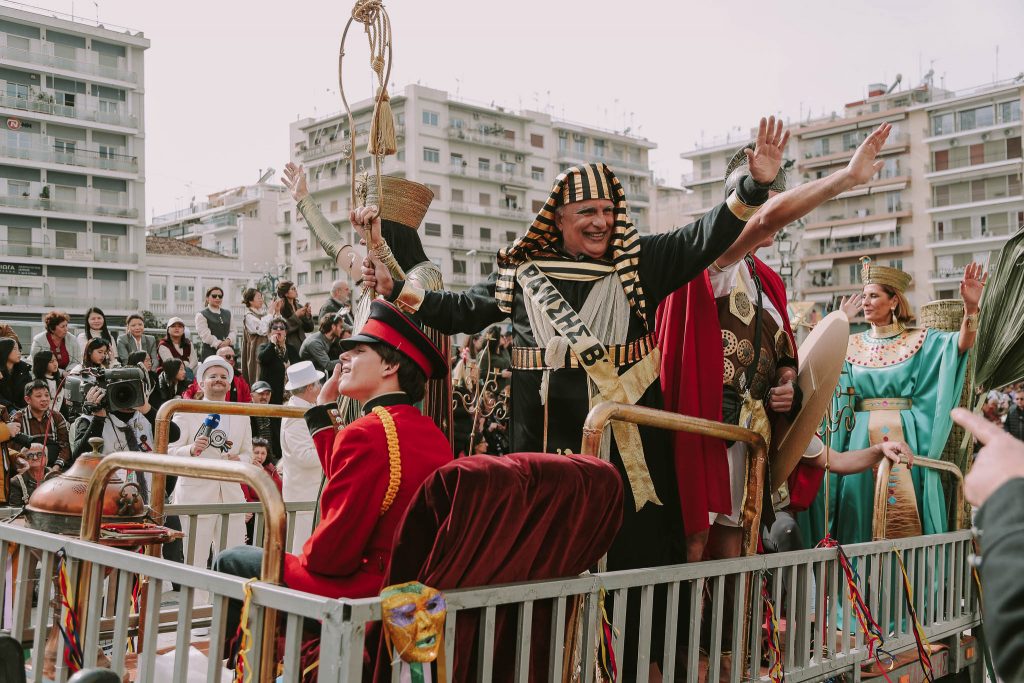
column 271, row 570
column 607, row 411
column 162, row 431
column 882, row 484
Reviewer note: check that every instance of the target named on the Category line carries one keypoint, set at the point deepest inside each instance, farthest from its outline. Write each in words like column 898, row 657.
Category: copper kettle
column 56, row 504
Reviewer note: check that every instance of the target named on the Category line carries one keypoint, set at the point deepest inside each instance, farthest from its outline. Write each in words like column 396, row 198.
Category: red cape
column 692, row 364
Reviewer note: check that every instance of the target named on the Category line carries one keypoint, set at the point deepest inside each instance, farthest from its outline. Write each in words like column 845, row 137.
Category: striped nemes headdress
column 591, row 181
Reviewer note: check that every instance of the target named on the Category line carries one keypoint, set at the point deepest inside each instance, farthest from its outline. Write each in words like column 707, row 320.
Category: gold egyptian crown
column 405, row 202
column 883, row 275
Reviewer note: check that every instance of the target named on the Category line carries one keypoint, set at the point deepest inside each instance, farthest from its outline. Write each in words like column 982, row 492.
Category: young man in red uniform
column 373, row 467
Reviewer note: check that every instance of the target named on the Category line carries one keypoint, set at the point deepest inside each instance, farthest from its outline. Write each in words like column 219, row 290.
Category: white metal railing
column 44, row 103
column 73, row 157
column 45, row 58
column 823, row 639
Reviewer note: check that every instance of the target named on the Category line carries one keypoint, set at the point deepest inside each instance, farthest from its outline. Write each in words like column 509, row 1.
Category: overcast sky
column 224, row 77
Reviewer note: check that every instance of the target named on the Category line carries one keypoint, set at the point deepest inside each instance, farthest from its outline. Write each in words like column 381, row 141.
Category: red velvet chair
column 486, row 520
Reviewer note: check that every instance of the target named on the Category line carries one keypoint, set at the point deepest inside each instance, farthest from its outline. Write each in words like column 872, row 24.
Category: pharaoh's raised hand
column 765, row 160
column 863, row 166
column 971, row 287
column 295, row 180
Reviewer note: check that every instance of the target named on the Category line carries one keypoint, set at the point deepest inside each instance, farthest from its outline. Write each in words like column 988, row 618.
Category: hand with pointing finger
column 1000, row 459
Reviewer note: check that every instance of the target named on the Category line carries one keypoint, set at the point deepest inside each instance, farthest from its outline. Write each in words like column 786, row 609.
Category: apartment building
column 178, row 273
column 240, row 224
column 490, row 169
column 971, row 148
column 949, row 191
column 72, row 163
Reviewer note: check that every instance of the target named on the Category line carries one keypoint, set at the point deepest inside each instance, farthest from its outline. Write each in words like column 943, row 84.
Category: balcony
column 863, row 248
column 816, row 158
column 38, row 251
column 495, row 176
column 990, row 161
column 42, row 102
column 946, row 274
column 963, row 201
column 55, row 300
column 319, row 151
column 86, row 158
column 489, row 139
column 975, row 234
column 496, row 211
column 832, row 215
column 40, row 53
column 616, row 165
column 36, row 203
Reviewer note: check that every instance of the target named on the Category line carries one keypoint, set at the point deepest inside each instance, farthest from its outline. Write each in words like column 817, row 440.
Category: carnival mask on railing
column 413, row 616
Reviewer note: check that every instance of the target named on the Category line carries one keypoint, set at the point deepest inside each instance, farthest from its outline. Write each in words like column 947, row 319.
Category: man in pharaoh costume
column 581, row 288
column 400, row 206
column 906, row 381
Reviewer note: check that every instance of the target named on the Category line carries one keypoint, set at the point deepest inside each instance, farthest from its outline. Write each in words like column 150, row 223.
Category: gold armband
column 386, row 257
column 972, row 322
column 411, row 298
column 739, row 209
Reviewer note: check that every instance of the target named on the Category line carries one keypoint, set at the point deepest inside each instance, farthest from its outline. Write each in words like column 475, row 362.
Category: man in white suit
column 300, row 466
column 231, row 439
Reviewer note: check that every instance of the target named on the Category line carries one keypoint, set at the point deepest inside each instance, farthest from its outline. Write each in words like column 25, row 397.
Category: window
column 536, row 205
column 432, row 229
column 318, row 277
column 483, row 164
column 158, row 288
column 942, row 124
column 17, row 43
column 940, row 160
column 457, row 123
column 853, row 138
column 485, row 235
column 705, row 196
column 893, row 201
column 538, row 140
column 537, row 172
column 486, row 268
column 17, row 188
column 458, row 231
column 430, row 118
column 431, row 155
column 457, row 195
column 287, row 217
column 458, row 267
column 599, row 149
column 890, row 168
column 510, row 236
column 19, row 235
column 64, row 146
column 436, row 189
column 511, row 202
column 17, row 90
column 110, row 243
column 705, row 168
column 302, row 279
column 457, row 162
column 485, row 199
column 301, row 246
column 184, row 293
column 579, row 144
column 66, row 240
column 1009, row 111
column 334, row 206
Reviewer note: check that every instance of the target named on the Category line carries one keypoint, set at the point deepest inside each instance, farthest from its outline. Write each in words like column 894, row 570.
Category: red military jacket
column 350, row 548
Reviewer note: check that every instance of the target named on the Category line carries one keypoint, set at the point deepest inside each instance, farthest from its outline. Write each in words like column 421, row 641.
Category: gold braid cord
column 394, row 457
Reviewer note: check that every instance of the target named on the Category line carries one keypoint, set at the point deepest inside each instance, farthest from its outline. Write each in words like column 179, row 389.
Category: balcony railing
column 56, row 300
column 479, row 210
column 946, row 274
column 38, row 251
column 77, row 157
column 971, row 198
column 854, row 248
column 491, row 139
column 42, row 103
column 37, row 55
column 972, row 234
column 493, row 175
column 955, row 164
column 41, row 204
column 318, row 151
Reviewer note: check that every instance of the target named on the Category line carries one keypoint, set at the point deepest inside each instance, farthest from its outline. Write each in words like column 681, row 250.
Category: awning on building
column 817, row 234
column 880, row 227
column 891, row 187
column 844, row 231
column 821, row 264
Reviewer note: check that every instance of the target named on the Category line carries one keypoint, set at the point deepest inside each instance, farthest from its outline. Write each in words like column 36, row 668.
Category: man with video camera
column 110, row 411
column 42, row 425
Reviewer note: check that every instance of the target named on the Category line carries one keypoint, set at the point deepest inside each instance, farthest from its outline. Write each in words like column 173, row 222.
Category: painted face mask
column 414, row 617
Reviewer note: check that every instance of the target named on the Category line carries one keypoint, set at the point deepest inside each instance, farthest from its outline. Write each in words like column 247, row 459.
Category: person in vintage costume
column 400, row 205
column 213, row 324
column 905, row 381
column 582, row 286
column 373, row 466
column 738, row 301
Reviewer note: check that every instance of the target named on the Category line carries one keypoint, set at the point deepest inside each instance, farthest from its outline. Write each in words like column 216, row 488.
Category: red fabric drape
column 485, row 520
column 690, row 338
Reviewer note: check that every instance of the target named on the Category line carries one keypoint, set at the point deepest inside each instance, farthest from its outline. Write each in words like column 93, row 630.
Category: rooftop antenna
column 266, row 176
column 899, row 78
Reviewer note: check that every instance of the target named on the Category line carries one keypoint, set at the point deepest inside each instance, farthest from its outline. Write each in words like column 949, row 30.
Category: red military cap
column 388, row 325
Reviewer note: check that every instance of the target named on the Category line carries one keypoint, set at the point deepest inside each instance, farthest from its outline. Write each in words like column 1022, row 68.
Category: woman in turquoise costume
column 904, row 381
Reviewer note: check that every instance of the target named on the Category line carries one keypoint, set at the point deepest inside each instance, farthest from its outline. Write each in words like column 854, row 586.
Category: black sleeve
column 266, row 352
column 1002, row 544
column 87, row 427
column 670, row 260
column 451, row 313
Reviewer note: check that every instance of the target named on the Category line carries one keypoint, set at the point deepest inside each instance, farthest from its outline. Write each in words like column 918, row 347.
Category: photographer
column 28, row 478
column 124, row 429
column 44, row 425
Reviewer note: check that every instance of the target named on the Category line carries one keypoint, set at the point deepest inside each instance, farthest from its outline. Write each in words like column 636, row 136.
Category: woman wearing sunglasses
column 213, row 324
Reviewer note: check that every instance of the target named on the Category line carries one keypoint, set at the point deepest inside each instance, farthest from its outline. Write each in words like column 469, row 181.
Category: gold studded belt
column 884, row 404
column 532, row 357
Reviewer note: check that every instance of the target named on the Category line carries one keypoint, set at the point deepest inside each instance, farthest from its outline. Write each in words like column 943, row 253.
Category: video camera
column 124, row 387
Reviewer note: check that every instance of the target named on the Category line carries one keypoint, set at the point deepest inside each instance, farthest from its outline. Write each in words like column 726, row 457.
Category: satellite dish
column 266, row 176
column 899, row 78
